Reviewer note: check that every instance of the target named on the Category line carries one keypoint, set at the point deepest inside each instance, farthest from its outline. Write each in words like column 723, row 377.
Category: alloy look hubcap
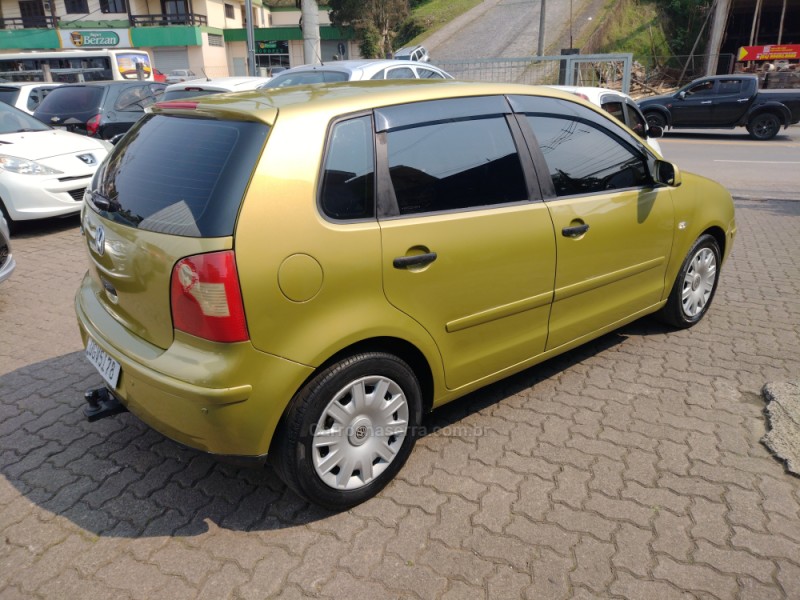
column 360, row 432
column 699, row 282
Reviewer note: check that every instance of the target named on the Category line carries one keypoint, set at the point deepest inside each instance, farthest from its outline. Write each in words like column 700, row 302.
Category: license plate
column 109, row 368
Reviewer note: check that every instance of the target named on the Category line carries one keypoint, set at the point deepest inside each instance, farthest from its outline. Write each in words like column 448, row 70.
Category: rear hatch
column 71, row 106
column 171, row 189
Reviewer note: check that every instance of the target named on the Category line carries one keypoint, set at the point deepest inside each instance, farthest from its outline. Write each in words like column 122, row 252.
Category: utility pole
column 310, row 24
column 540, row 47
column 780, row 29
column 251, row 44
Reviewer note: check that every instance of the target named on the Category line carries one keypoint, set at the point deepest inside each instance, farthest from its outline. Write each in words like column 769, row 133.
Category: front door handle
column 743, row 100
column 575, row 231
column 416, row 260
column 707, row 102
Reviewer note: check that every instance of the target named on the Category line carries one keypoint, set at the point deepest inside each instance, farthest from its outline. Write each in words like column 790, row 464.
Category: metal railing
column 605, row 70
column 39, row 22
column 161, row 20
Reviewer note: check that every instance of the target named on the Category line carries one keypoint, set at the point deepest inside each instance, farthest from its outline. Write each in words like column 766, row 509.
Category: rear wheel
column 655, row 119
column 695, row 285
column 349, row 430
column 764, row 126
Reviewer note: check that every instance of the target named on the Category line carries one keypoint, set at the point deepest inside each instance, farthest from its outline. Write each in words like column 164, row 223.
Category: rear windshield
column 190, row 93
column 70, row 100
column 179, row 175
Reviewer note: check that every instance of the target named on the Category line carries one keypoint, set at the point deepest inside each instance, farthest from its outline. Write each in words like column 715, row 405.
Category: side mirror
column 115, row 139
column 682, row 95
column 654, row 131
column 667, row 173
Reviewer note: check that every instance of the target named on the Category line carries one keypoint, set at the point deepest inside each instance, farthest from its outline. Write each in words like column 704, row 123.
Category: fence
column 604, row 70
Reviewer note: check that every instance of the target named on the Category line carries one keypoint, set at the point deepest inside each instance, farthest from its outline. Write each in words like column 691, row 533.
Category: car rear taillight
column 92, row 125
column 206, row 298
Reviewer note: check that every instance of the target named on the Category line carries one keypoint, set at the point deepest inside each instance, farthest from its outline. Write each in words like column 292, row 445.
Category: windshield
column 15, row 121
column 304, row 77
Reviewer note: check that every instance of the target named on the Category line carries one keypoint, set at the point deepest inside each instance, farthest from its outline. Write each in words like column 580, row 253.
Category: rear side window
column 401, row 73
column 455, row 165
column 69, row 99
column 583, row 159
column 136, row 98
column 179, row 175
column 428, row 73
column 348, row 179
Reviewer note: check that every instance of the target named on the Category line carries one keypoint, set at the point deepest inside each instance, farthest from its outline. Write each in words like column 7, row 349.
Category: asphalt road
column 748, row 168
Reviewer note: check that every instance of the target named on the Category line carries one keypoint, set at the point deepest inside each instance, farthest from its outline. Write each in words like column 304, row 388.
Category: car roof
column 594, row 94
column 222, row 84
column 325, row 101
column 27, row 84
column 365, row 65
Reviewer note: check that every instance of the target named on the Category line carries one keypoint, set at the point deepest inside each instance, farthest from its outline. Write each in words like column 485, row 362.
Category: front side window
column 701, row 89
column 583, row 159
column 614, row 109
column 635, row 120
column 348, row 178
column 453, row 165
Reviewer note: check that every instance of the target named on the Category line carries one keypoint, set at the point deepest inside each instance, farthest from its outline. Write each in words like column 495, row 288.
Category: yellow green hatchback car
column 302, row 274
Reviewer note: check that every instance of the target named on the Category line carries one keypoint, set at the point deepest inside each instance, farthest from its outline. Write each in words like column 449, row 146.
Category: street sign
column 785, row 52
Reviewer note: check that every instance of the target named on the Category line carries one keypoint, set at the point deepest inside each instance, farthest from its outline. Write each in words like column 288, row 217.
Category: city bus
column 69, row 66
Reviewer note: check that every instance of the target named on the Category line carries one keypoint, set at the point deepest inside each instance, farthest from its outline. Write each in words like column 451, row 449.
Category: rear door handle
column 707, row 102
column 743, row 99
column 416, row 260
column 575, row 231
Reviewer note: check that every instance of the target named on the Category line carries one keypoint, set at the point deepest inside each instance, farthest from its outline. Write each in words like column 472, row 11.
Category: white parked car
column 202, row 87
column 25, row 96
column 43, row 171
column 355, row 70
column 179, row 75
column 621, row 106
column 416, row 53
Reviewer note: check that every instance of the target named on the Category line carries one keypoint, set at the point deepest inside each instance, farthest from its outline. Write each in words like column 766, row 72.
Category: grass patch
column 635, row 26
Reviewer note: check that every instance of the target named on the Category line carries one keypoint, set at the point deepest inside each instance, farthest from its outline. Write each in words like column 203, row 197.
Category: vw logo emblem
column 100, row 241
column 361, row 432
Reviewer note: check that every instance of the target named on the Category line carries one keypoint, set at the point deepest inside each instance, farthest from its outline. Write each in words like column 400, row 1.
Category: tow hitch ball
column 102, row 404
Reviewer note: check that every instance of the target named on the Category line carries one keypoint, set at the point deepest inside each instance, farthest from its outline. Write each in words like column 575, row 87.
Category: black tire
column 655, row 119
column 764, row 126
column 365, row 449
column 12, row 225
column 695, row 285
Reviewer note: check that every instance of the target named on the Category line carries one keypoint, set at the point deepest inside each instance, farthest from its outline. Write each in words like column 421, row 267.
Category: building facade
column 207, row 36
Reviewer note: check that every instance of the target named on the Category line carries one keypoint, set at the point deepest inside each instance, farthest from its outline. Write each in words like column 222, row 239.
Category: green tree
column 374, row 21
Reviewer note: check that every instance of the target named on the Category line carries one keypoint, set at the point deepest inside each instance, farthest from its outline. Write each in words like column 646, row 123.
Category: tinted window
column 179, row 175
column 583, row 159
column 730, row 86
column 455, row 165
column 401, row 73
column 614, row 109
column 134, row 99
column 36, row 96
column 635, row 120
column 428, row 73
column 348, row 179
column 72, row 99
column 305, row 77
column 701, row 89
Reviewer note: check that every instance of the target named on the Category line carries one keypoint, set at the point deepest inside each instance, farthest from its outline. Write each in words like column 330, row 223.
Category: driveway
column 630, row 467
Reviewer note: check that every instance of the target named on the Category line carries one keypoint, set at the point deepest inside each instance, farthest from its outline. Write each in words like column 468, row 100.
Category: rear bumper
column 225, row 399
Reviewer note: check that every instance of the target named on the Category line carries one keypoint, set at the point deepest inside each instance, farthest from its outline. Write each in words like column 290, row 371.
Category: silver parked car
column 355, row 70
column 203, row 87
column 7, row 263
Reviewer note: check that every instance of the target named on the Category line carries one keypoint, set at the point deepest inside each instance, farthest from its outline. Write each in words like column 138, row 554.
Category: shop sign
column 95, row 38
column 786, row 52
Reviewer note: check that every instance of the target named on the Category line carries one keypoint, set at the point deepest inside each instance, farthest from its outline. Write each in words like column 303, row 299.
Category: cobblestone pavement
column 630, row 468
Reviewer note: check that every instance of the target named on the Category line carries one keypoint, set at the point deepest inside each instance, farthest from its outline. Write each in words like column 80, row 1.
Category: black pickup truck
column 725, row 102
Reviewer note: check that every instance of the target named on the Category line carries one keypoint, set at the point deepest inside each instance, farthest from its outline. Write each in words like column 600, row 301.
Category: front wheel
column 694, row 288
column 348, row 431
column 764, row 127
column 655, row 119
